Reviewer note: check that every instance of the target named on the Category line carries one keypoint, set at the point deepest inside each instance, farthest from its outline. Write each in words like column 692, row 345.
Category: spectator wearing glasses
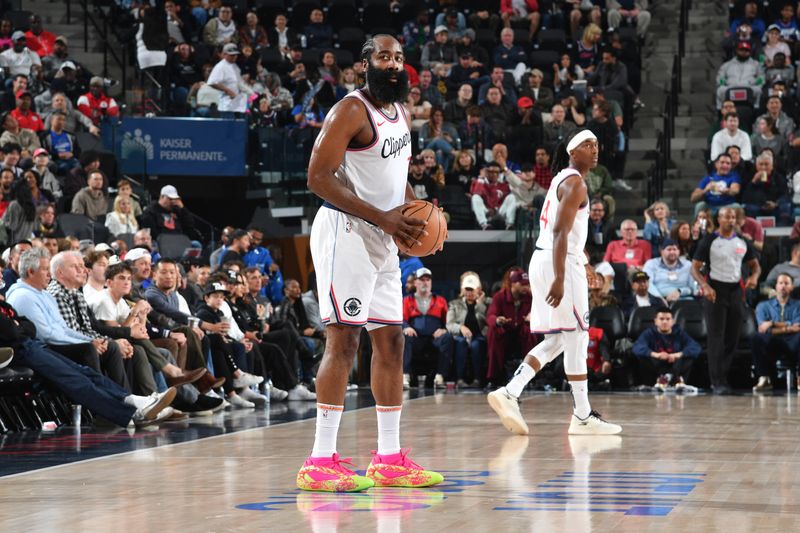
column 629, row 249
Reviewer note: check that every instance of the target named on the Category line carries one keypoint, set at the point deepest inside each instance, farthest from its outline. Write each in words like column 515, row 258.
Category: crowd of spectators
column 508, row 77
column 201, row 328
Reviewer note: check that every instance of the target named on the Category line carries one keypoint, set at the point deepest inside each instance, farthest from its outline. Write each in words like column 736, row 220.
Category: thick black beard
column 382, row 89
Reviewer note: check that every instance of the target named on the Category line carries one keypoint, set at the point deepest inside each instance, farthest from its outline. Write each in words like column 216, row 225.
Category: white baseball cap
column 422, row 272
column 136, row 254
column 170, row 192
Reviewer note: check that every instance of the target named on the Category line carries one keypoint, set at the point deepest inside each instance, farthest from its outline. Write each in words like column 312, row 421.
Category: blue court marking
column 630, row 493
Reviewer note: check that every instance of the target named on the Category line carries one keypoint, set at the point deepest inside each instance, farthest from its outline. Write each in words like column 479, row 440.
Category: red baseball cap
column 520, row 277
column 743, row 45
column 525, row 102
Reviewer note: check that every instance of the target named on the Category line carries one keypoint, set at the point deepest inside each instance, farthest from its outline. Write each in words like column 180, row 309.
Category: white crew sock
column 522, row 376
column 580, row 398
column 139, row 402
column 328, row 418
column 388, row 429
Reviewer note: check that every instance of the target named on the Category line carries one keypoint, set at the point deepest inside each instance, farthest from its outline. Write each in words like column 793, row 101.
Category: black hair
column 369, row 46
column 561, row 157
column 11, row 147
column 663, row 309
column 88, row 157
column 24, row 197
column 785, row 274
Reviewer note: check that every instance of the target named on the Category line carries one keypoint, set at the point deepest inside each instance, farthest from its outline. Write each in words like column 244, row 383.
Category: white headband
column 576, row 141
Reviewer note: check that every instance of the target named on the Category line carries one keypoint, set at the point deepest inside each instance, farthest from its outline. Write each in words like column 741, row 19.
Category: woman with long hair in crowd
column 681, row 233
column 20, row 217
column 658, row 224
column 40, row 196
column 463, row 171
column 121, row 219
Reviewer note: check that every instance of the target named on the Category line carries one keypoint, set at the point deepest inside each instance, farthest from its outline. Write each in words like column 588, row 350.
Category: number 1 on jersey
column 543, row 217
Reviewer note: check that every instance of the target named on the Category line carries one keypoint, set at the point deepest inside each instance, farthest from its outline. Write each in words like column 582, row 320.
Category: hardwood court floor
column 683, row 463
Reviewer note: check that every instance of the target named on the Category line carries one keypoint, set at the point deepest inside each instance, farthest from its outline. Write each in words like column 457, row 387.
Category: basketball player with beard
column 359, row 167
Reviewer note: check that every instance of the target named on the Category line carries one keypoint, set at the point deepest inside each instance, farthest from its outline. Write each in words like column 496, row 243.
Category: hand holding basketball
column 428, row 229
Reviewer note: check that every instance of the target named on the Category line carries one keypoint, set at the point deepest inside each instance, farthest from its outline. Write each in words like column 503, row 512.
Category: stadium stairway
column 54, row 18
column 707, row 21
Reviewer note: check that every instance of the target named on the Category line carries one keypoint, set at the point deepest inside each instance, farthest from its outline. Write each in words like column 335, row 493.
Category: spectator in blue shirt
column 670, row 278
column 666, row 351
column 750, row 17
column 318, row 34
column 718, row 189
column 778, row 332
column 259, row 257
column 408, row 266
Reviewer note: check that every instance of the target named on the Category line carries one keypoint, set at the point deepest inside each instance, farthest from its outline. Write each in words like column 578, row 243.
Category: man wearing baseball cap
column 26, row 117
column 96, row 104
column 640, row 294
column 424, row 327
column 227, row 77
column 509, row 335
column 439, row 52
column 466, row 322
column 168, row 215
column 741, row 71
column 19, row 58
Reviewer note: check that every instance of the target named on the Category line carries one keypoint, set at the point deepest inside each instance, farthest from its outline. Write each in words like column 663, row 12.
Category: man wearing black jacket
column 79, row 383
column 168, row 215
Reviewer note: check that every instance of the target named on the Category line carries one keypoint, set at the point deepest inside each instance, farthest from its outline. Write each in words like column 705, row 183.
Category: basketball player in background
column 560, row 304
column 359, row 167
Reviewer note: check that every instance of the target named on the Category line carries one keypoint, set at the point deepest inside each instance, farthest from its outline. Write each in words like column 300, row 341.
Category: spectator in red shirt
column 750, row 229
column 40, row 40
column 629, row 250
column 26, row 117
column 95, row 104
column 542, row 172
column 509, row 336
column 491, row 198
column 425, row 328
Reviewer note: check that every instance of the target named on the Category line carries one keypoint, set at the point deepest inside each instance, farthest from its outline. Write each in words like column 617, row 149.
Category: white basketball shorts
column 358, row 271
column 573, row 311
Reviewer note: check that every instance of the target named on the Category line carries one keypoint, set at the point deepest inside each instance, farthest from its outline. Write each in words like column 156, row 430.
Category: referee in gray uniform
column 724, row 251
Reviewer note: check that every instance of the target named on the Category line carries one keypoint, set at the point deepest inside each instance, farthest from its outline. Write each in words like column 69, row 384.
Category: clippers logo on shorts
column 586, row 317
column 352, row 306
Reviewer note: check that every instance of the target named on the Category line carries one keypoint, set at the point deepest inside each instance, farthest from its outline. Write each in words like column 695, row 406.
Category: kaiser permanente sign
column 182, row 146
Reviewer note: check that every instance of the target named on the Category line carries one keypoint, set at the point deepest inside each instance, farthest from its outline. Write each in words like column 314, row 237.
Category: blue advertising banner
column 181, row 146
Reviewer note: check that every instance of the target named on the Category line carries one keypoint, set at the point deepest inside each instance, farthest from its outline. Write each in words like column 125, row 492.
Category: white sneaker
column 246, row 380
column 622, row 185
column 277, row 394
column 438, row 381
column 592, row 425
column 302, row 394
column 406, row 381
column 238, row 402
column 507, row 408
column 149, row 413
column 252, row 396
column 764, row 384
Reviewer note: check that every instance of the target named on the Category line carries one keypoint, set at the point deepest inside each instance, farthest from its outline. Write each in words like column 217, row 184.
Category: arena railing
column 118, row 50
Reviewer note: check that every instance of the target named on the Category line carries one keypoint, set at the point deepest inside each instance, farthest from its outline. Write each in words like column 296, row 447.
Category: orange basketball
column 436, row 228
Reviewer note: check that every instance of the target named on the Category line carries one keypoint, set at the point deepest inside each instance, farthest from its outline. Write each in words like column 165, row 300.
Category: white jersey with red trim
column 378, row 173
column 547, row 218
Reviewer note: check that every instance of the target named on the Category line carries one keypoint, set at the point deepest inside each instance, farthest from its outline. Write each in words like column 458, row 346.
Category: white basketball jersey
column 547, row 218
column 378, row 173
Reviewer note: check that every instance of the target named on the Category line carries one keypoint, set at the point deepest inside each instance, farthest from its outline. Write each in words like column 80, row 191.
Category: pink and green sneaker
column 328, row 474
column 397, row 470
